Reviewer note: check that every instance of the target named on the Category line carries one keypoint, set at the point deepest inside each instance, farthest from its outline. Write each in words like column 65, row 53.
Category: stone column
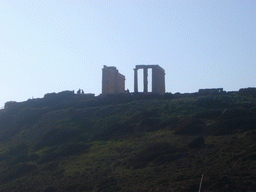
column 145, row 79
column 135, row 80
column 116, row 82
column 104, row 86
column 154, row 80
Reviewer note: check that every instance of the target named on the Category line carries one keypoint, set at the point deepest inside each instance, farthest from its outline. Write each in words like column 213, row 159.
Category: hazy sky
column 54, row 45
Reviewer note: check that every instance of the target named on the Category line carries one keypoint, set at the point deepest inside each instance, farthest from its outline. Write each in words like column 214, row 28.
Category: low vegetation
column 129, row 144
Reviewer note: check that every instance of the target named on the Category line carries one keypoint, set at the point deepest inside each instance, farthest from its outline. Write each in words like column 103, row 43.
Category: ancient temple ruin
column 158, row 78
column 112, row 81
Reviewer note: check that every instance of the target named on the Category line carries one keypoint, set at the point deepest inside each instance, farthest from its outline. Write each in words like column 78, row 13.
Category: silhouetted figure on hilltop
column 80, row 91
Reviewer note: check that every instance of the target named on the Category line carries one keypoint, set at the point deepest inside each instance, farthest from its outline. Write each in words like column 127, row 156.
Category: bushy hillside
column 125, row 143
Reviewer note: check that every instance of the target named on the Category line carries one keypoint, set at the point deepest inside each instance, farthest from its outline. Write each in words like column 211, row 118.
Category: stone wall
column 208, row 91
column 112, row 81
column 158, row 80
column 121, row 83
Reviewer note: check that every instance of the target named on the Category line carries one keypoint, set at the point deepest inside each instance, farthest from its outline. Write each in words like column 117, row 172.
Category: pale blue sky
column 54, row 45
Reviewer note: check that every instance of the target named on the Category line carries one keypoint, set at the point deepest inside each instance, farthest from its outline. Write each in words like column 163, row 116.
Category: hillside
column 125, row 143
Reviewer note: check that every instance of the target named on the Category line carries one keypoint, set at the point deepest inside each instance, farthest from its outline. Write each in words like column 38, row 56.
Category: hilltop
column 71, row 142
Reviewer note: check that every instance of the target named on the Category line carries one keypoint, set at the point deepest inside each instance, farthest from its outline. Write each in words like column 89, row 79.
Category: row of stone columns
column 145, row 79
column 158, row 84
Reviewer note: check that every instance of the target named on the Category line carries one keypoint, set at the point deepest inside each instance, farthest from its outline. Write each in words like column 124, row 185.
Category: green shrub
column 18, row 150
column 6, row 120
column 150, row 121
column 56, row 136
column 191, row 127
column 108, row 184
column 115, row 131
column 19, row 171
column 150, row 153
column 212, row 102
column 153, row 113
column 236, row 113
column 24, row 158
column 166, row 158
column 50, row 189
column 28, row 116
column 230, row 126
column 73, row 149
column 3, row 157
column 46, row 158
column 197, row 143
column 52, row 166
column 168, row 96
column 208, row 114
column 170, row 122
